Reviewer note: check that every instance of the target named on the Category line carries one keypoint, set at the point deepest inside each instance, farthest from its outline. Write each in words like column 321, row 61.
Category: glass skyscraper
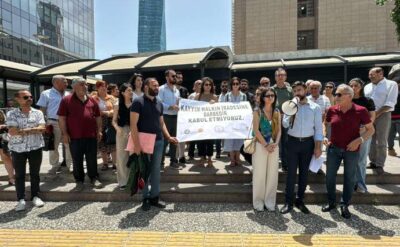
column 151, row 36
column 46, row 31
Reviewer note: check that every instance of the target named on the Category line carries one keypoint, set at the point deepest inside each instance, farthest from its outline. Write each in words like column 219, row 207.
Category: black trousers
column 283, row 147
column 34, row 158
column 299, row 155
column 246, row 156
column 206, row 148
column 170, row 122
column 80, row 148
column 218, row 144
column 192, row 147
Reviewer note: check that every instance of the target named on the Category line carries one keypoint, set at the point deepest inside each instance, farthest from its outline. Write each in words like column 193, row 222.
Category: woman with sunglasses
column 233, row 145
column 26, row 126
column 358, row 87
column 207, row 94
column 267, row 129
column 328, row 91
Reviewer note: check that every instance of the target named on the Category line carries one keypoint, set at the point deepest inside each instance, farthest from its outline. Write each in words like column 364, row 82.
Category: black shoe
column 379, row 171
column 218, row 156
column 174, row 165
column 182, row 160
column 146, row 205
column 63, row 164
column 344, row 211
column 328, row 207
column 372, row 166
column 156, row 202
column 78, row 187
column 300, row 205
column 286, row 209
column 321, row 172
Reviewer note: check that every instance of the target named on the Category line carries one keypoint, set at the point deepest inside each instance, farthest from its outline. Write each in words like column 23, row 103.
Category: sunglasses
column 329, row 87
column 269, row 96
column 207, row 85
column 27, row 97
column 235, row 84
column 339, row 94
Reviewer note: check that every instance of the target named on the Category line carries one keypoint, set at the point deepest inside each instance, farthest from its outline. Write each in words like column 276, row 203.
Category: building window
column 305, row 40
column 305, row 8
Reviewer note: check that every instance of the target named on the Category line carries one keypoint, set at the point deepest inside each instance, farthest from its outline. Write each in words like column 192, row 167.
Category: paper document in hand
column 316, row 164
column 146, row 141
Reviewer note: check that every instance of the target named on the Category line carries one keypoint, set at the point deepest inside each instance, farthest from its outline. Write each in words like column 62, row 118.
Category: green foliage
column 394, row 15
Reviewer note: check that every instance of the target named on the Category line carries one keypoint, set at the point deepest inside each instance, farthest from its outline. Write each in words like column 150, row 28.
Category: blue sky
column 190, row 24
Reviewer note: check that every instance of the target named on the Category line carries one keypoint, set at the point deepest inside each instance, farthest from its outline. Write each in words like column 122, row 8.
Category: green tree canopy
column 395, row 14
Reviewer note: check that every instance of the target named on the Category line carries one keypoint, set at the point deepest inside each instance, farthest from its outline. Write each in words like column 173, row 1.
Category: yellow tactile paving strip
column 55, row 238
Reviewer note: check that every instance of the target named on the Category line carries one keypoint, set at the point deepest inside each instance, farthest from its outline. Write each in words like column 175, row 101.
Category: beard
column 301, row 97
column 152, row 92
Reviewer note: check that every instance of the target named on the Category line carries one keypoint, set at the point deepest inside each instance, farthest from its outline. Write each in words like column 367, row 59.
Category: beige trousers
column 265, row 177
column 54, row 155
column 122, row 156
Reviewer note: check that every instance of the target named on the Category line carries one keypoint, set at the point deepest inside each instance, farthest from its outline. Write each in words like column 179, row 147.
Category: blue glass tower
column 151, row 36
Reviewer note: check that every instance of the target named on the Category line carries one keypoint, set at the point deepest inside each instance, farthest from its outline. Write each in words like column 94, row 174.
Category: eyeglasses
column 207, row 85
column 339, row 94
column 27, row 97
column 329, row 87
column 269, row 96
column 235, row 84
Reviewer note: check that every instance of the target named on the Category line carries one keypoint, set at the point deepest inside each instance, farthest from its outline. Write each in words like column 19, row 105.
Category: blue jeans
column 154, row 178
column 335, row 157
column 362, row 164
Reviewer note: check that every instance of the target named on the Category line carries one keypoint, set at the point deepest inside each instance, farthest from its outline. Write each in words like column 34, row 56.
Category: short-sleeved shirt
column 345, row 127
column 384, row 93
column 149, row 112
column 323, row 102
column 25, row 143
column 365, row 102
column 283, row 94
column 50, row 99
column 80, row 116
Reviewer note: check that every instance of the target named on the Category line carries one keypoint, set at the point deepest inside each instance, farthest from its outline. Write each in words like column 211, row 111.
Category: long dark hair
column 203, row 81
column 122, row 89
column 132, row 81
column 262, row 102
column 362, row 83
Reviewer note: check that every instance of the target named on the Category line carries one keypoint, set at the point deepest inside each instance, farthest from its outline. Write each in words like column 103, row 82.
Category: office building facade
column 151, row 31
column 43, row 32
column 263, row 26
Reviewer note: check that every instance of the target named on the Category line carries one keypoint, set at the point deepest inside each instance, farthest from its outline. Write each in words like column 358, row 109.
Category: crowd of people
column 351, row 122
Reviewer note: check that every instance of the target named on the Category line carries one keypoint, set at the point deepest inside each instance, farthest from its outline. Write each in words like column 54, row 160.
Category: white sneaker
column 37, row 202
column 20, row 206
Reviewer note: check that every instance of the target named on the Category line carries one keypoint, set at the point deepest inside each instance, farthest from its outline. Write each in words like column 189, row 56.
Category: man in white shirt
column 316, row 97
column 384, row 94
column 49, row 103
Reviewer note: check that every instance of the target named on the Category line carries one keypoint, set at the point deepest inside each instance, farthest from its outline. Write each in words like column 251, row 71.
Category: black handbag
column 48, row 141
column 110, row 134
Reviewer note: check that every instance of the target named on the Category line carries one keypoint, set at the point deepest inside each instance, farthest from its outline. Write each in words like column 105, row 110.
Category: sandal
column 104, row 167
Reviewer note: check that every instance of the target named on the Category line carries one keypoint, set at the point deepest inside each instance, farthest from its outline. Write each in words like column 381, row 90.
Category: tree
column 394, row 15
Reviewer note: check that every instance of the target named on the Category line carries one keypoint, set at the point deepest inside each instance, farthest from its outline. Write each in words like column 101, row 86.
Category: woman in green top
column 267, row 129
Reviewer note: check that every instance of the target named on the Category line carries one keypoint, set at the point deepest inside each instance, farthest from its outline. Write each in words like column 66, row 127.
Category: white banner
column 199, row 120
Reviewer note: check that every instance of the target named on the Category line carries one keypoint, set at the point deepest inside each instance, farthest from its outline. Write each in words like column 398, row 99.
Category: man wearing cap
column 80, row 124
column 49, row 103
column 304, row 140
